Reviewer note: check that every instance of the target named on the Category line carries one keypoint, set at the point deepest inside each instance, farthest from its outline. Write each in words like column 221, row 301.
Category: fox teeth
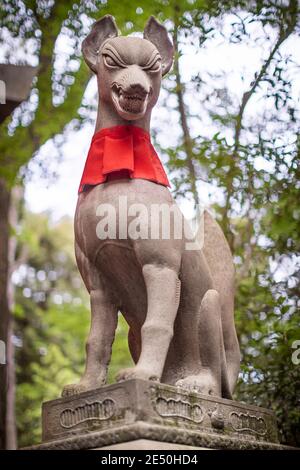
column 132, row 97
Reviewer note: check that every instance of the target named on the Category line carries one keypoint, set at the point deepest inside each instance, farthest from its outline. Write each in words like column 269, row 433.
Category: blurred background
column 227, row 130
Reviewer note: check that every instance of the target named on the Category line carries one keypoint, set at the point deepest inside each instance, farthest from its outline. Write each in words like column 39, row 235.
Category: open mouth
column 133, row 104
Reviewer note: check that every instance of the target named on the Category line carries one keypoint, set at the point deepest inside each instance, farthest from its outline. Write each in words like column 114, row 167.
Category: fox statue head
column 129, row 70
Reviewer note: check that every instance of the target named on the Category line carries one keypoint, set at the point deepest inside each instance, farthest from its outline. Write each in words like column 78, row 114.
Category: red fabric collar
column 122, row 151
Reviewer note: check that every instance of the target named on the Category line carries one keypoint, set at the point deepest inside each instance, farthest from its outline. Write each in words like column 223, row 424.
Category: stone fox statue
column 178, row 303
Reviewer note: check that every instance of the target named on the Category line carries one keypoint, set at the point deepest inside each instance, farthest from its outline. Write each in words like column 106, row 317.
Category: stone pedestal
column 138, row 414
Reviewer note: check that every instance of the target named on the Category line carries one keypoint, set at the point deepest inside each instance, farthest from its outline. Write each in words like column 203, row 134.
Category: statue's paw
column 203, row 383
column 82, row 386
column 135, row 373
column 73, row 389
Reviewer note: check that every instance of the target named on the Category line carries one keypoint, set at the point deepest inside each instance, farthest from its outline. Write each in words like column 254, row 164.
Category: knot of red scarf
column 122, row 151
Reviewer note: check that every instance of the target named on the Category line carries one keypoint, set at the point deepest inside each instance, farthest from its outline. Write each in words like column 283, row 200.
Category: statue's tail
column 219, row 259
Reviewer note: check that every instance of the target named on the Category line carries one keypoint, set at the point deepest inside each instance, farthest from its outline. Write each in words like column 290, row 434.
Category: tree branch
column 284, row 33
column 16, row 150
column 187, row 141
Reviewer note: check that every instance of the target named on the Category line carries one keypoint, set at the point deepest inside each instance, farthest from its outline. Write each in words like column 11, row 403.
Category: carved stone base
column 136, row 410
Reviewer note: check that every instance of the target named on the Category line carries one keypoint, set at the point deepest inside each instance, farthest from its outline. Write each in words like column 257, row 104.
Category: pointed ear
column 101, row 30
column 158, row 35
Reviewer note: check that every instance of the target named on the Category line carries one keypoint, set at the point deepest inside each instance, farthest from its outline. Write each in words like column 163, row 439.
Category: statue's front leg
column 104, row 317
column 163, row 293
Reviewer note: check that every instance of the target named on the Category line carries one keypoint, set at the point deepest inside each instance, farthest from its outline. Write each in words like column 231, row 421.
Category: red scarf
column 122, row 152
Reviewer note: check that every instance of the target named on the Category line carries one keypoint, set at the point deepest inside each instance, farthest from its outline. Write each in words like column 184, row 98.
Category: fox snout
column 130, row 94
column 131, row 91
column 133, row 80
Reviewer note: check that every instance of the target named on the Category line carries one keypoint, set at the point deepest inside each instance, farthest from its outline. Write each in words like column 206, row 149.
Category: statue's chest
column 119, row 212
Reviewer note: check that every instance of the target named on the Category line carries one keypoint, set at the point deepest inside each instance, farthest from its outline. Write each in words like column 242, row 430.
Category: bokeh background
column 227, row 130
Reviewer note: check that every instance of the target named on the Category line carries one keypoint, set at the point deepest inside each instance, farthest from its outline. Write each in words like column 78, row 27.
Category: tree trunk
column 9, row 200
column 5, row 196
column 11, row 431
column 10, row 419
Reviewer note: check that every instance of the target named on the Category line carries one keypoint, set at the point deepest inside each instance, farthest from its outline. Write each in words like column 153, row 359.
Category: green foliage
column 51, row 319
column 55, row 98
column 51, row 322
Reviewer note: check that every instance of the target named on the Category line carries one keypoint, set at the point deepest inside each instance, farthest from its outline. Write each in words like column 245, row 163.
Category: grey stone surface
column 139, row 409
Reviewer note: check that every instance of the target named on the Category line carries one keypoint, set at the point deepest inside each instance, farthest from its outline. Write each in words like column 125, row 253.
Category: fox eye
column 154, row 67
column 109, row 61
